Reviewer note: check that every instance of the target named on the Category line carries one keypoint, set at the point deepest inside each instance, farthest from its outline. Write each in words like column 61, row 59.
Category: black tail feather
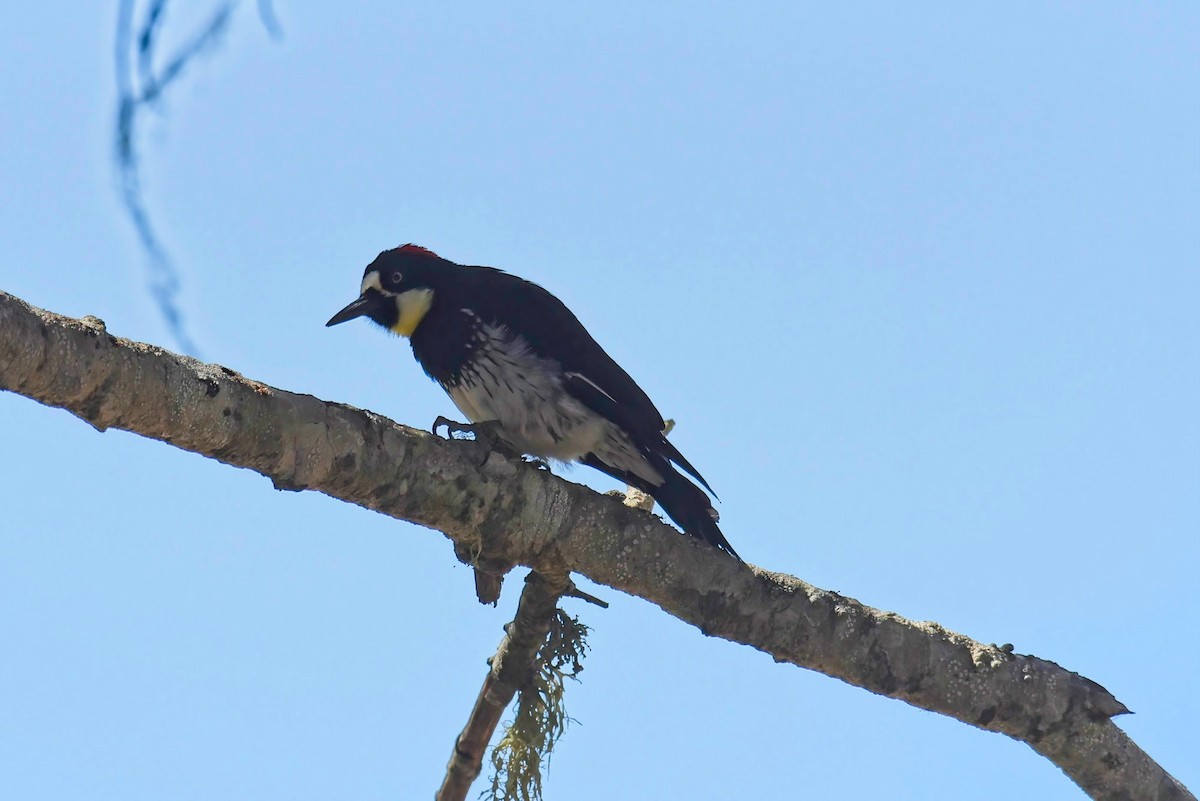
column 675, row 456
column 687, row 505
column 683, row 501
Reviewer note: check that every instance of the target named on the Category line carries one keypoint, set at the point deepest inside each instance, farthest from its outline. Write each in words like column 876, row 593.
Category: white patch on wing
column 594, row 385
column 507, row 382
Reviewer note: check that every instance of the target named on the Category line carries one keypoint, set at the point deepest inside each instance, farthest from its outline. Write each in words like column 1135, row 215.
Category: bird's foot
column 453, row 427
column 486, row 433
column 538, row 463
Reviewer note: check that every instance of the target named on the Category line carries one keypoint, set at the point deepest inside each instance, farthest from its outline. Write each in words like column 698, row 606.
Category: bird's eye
column 396, row 278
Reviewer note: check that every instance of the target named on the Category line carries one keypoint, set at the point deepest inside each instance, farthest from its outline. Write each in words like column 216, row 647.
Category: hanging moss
column 541, row 716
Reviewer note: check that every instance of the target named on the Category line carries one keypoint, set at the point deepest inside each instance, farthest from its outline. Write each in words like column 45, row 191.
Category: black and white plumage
column 508, row 351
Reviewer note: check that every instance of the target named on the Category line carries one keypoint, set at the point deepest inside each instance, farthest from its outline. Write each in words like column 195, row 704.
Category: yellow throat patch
column 413, row 305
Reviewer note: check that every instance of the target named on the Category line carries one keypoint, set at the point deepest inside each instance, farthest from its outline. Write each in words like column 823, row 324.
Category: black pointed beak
column 360, row 307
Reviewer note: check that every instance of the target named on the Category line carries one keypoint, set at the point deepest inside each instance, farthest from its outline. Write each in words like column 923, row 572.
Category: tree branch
column 511, row 669
column 508, row 512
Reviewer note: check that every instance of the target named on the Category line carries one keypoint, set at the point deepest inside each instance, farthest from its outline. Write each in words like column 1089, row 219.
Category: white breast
column 506, row 382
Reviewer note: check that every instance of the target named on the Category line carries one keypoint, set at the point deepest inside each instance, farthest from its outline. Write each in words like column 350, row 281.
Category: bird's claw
column 452, row 427
column 486, row 433
column 538, row 463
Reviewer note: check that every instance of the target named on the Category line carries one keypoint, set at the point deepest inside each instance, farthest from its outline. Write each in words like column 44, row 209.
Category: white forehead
column 371, row 281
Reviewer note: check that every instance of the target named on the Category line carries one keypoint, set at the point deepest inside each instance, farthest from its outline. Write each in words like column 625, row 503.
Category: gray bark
column 512, row 514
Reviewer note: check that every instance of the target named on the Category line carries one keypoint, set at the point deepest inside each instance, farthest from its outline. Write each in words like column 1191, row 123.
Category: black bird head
column 397, row 289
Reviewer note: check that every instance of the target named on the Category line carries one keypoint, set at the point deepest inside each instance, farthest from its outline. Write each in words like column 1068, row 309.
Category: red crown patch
column 416, row 250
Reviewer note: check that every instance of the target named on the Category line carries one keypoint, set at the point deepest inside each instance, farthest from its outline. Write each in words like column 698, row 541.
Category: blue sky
column 919, row 283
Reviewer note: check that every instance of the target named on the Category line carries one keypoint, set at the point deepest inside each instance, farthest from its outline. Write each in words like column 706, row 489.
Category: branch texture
column 510, row 670
column 517, row 515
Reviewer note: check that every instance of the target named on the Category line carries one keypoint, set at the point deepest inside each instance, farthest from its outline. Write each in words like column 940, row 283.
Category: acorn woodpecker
column 510, row 354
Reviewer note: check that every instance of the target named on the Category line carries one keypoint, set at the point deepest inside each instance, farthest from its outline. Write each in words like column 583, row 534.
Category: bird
column 513, row 358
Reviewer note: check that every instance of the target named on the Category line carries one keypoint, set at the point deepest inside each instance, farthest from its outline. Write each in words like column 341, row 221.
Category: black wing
column 553, row 331
column 591, row 375
column 606, row 406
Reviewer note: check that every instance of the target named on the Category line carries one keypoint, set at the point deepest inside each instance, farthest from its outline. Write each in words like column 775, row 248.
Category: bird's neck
column 412, row 305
